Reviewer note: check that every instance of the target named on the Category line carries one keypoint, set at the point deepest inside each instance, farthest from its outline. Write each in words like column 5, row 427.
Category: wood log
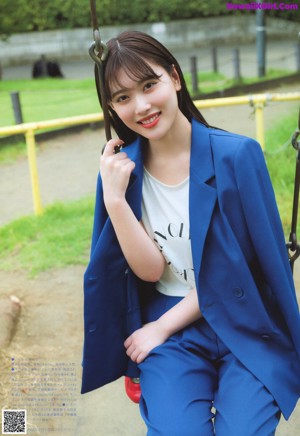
column 10, row 309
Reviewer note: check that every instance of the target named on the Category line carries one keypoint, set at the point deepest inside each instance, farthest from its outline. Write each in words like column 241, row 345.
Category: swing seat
column 133, row 389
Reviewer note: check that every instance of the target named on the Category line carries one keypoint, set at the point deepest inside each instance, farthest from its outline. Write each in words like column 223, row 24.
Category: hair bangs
column 129, row 62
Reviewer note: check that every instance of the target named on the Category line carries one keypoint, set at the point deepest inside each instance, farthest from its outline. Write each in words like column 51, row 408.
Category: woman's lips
column 150, row 121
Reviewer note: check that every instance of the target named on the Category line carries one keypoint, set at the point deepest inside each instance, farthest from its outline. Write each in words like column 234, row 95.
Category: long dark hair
column 130, row 52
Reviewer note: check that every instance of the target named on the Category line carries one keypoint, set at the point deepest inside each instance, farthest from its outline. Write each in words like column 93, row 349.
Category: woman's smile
column 150, row 121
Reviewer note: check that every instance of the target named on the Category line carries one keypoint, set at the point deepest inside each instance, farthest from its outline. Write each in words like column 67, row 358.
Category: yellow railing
column 28, row 129
column 258, row 101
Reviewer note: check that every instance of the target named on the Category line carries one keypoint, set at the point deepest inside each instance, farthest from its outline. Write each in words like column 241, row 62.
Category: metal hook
column 97, row 39
column 295, row 140
column 293, row 257
column 94, row 52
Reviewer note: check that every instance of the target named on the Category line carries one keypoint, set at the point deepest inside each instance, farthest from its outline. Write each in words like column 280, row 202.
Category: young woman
column 188, row 285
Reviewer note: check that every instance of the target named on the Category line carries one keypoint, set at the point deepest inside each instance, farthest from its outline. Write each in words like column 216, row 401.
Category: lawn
column 46, row 99
column 281, row 161
column 57, row 238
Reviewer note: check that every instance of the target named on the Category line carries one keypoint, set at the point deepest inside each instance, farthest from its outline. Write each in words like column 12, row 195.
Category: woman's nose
column 142, row 105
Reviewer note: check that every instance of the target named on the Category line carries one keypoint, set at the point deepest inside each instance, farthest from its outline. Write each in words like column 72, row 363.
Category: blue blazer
column 243, row 278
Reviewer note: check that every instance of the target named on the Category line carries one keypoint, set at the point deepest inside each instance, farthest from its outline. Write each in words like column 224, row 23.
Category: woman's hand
column 115, row 169
column 155, row 333
column 142, row 341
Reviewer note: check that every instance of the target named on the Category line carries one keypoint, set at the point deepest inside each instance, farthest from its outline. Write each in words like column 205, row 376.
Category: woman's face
column 148, row 107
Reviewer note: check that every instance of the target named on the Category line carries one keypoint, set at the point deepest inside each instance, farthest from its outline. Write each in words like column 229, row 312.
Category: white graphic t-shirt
column 165, row 216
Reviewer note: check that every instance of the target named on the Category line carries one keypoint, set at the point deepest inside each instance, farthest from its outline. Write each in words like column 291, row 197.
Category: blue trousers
column 192, row 385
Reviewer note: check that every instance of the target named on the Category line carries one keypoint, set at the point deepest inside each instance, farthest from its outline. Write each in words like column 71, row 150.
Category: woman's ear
column 176, row 79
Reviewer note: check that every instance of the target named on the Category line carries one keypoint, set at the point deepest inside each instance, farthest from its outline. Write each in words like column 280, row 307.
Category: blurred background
column 226, row 50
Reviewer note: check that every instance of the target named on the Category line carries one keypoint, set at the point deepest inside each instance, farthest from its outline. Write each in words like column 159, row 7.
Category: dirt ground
column 50, row 327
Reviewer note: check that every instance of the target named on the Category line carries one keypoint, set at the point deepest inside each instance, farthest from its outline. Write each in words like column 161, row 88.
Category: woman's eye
column 149, row 85
column 121, row 98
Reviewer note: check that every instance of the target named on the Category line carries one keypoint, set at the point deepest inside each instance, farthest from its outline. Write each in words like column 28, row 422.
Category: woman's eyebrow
column 119, row 91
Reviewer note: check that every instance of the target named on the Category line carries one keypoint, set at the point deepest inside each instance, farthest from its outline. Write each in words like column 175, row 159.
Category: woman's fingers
column 110, row 158
column 135, row 354
column 111, row 146
column 115, row 169
column 128, row 342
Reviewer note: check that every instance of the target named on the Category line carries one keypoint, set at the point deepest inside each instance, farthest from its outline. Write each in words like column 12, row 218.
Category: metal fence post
column 259, row 119
column 194, row 74
column 261, row 41
column 15, row 99
column 236, row 64
column 214, row 59
column 297, row 53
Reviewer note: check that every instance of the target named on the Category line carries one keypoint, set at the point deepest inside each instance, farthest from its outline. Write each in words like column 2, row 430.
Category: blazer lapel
column 134, row 190
column 202, row 195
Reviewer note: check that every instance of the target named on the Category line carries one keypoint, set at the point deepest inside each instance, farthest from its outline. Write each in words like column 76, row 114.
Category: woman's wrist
column 114, row 204
column 181, row 315
column 166, row 327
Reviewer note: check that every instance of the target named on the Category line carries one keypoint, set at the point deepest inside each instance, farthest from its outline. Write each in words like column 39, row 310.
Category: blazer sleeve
column 263, row 221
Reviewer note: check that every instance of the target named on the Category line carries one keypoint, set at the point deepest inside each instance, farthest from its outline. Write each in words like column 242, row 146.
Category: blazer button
column 266, row 337
column 238, row 292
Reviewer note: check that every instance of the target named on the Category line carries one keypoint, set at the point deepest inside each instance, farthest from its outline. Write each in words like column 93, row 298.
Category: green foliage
column 7, row 21
column 37, row 15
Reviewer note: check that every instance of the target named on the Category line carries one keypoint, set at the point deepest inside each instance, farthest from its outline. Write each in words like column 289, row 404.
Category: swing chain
column 99, row 47
column 98, row 51
column 292, row 245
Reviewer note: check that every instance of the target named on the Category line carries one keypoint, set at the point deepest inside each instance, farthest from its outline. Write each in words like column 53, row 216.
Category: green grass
column 271, row 74
column 46, row 99
column 11, row 150
column 282, row 165
column 210, row 81
column 59, row 237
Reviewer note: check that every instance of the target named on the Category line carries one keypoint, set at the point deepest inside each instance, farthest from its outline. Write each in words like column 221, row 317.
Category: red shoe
column 133, row 389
